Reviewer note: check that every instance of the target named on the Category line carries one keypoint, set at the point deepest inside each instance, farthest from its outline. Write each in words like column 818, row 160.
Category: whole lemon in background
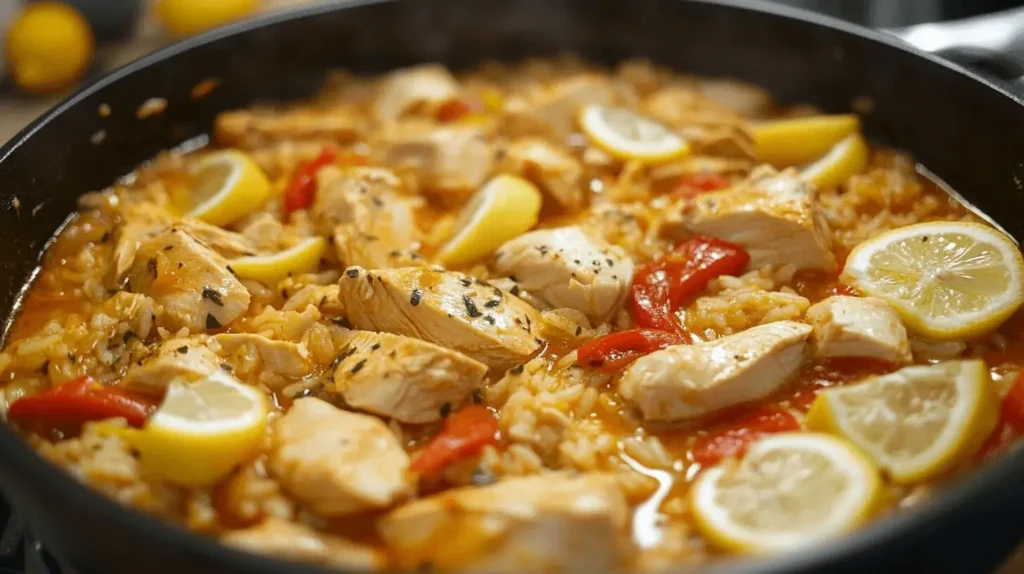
column 187, row 17
column 49, row 46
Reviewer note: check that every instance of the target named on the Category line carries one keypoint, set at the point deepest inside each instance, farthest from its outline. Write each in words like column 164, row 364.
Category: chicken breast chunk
column 449, row 159
column 192, row 282
column 186, row 360
column 775, row 217
column 552, row 110
column 449, row 309
column 555, row 172
column 403, row 378
column 566, row 268
column 227, row 243
column 688, row 381
column 255, row 128
column 412, row 89
column 363, row 213
column 858, row 327
column 280, row 358
column 292, row 541
column 543, row 523
column 338, row 462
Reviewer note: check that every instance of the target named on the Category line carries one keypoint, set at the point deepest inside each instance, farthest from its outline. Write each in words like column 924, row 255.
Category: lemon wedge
column 798, row 141
column 302, row 257
column 187, row 17
column 626, row 135
column 846, row 158
column 917, row 422
column 225, row 186
column 504, row 208
column 948, row 280
column 788, row 490
column 49, row 45
column 202, row 430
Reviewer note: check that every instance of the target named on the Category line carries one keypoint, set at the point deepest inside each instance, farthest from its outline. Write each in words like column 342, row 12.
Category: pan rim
column 951, row 501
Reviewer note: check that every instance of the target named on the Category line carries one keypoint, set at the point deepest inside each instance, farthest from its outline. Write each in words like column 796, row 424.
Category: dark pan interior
column 968, row 132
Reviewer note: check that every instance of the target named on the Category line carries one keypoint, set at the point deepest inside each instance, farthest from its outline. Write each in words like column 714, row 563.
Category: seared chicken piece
column 141, row 222
column 362, row 211
column 187, row 360
column 543, row 523
column 741, row 97
column 449, row 158
column 403, row 378
column 281, row 358
column 338, row 462
column 251, row 129
column 193, row 283
column 552, row 111
column 689, row 381
column 292, row 541
column 412, row 89
column 227, row 243
column 683, row 105
column 565, row 268
column 446, row 308
column 262, row 231
column 774, row 217
column 554, row 171
column 858, row 327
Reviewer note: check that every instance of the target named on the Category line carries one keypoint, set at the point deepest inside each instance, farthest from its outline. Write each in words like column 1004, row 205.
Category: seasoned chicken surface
column 279, row 358
column 544, row 523
column 688, row 381
column 403, row 378
column 551, row 111
column 258, row 128
column 338, row 462
column 191, row 282
column 556, row 172
column 364, row 216
column 176, row 360
column 445, row 308
column 454, row 160
column 564, row 267
column 858, row 327
column 775, row 217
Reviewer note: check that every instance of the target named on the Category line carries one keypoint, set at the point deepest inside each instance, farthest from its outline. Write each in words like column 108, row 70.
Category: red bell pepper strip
column 614, row 351
column 734, row 438
column 452, row 110
column 302, row 187
column 665, row 285
column 80, row 400
column 698, row 183
column 464, row 435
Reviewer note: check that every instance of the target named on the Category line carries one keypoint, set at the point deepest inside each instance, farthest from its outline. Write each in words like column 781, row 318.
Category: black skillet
column 967, row 130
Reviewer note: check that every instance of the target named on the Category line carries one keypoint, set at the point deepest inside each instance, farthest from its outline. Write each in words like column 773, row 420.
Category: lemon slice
column 797, row 141
column 226, row 185
column 506, row 207
column 917, row 422
column 948, row 280
column 302, row 257
column 846, row 158
column 788, row 490
column 626, row 135
column 202, row 430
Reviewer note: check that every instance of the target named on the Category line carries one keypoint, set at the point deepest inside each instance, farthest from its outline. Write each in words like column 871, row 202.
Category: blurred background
column 50, row 47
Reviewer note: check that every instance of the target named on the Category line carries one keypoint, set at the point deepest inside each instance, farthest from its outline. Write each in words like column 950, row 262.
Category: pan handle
column 993, row 42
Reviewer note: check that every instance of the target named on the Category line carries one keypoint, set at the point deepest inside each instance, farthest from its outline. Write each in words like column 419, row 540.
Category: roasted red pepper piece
column 615, row 351
column 663, row 286
column 698, row 183
column 302, row 187
column 452, row 110
column 80, row 400
column 464, row 435
column 732, row 439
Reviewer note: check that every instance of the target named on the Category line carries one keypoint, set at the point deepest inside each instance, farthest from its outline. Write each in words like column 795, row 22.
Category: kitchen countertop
column 17, row 110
